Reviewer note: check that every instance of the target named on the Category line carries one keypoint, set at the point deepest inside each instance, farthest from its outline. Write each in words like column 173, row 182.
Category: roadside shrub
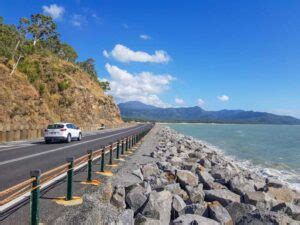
column 63, row 85
column 42, row 89
column 31, row 69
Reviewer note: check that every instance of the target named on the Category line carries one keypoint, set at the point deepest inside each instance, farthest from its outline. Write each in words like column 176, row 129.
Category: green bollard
column 70, row 173
column 35, row 196
column 102, row 158
column 118, row 149
column 123, row 147
column 111, row 154
column 126, row 144
column 89, row 177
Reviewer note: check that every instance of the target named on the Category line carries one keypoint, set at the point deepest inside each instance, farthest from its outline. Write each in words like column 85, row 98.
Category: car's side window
column 73, row 126
column 69, row 126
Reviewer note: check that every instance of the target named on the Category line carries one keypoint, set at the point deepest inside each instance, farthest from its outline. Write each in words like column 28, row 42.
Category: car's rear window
column 55, row 126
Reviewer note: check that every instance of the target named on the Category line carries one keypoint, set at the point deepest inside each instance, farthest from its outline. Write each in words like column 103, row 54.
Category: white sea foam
column 289, row 177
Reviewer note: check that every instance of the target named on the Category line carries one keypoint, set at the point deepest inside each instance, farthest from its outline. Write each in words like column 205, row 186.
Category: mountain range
column 135, row 110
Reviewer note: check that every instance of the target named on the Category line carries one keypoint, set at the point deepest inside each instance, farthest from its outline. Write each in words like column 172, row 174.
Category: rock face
column 223, row 196
column 136, row 197
column 61, row 92
column 238, row 210
column 186, row 177
column 219, row 213
column 194, row 219
column 159, row 206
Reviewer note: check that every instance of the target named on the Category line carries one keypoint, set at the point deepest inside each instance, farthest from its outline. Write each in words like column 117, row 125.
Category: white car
column 62, row 132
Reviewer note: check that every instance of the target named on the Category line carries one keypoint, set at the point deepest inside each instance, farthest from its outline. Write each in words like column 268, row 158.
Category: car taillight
column 45, row 130
column 63, row 129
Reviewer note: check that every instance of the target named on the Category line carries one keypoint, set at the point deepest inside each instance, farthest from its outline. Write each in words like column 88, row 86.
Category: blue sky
column 215, row 53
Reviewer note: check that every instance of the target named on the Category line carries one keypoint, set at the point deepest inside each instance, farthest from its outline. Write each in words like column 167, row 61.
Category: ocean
column 271, row 150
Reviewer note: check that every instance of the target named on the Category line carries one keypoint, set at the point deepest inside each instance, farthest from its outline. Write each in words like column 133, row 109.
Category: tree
column 41, row 27
column 67, row 52
column 104, row 85
column 89, row 67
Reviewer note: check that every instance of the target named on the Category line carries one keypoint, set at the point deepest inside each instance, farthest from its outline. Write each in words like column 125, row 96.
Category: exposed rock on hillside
column 50, row 90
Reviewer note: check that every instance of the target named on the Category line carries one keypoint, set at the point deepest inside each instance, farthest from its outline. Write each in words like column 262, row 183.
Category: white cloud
column 144, row 86
column 179, row 101
column 145, row 37
column 223, row 98
column 125, row 54
column 77, row 20
column 55, row 11
column 200, row 102
column 106, row 54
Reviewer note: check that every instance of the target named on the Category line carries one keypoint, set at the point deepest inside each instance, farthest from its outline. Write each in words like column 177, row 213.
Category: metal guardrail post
column 118, row 149
column 123, row 147
column 102, row 158
column 70, row 173
column 126, row 144
column 111, row 154
column 35, row 196
column 89, row 177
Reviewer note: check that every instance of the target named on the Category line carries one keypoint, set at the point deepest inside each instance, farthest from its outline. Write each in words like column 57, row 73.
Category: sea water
column 272, row 150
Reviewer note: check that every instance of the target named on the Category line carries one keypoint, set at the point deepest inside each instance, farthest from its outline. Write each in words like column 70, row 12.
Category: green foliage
column 9, row 37
column 89, row 67
column 67, row 53
column 104, row 85
column 38, row 35
column 40, row 27
column 63, row 85
column 42, row 88
column 30, row 68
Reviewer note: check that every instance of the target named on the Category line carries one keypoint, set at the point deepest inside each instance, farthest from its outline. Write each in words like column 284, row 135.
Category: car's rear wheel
column 79, row 137
column 47, row 141
column 69, row 138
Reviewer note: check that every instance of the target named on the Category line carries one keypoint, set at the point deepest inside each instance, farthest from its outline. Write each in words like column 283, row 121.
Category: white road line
column 62, row 148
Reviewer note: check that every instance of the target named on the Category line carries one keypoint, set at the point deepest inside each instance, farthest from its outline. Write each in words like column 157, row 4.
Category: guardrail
column 32, row 187
column 26, row 132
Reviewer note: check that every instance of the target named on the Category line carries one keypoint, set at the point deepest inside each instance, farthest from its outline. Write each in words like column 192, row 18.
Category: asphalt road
column 16, row 162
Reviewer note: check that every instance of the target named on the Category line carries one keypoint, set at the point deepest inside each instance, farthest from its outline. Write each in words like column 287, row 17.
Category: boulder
column 135, row 197
column 273, row 182
column 290, row 209
column 178, row 204
column 143, row 220
column 217, row 212
column 138, row 173
column 118, row 197
column 176, row 161
column 205, row 178
column 176, row 189
column 126, row 218
column 258, row 217
column 186, row 177
column 199, row 209
column 281, row 194
column 238, row 210
column 221, row 195
column 149, row 170
column 190, row 219
column 259, row 199
column 205, row 162
column 196, row 194
column 241, row 185
column 159, row 206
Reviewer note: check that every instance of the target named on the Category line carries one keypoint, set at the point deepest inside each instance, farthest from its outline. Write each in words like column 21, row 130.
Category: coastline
column 176, row 179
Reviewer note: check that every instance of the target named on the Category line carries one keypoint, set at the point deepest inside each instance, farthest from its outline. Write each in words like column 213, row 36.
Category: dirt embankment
column 53, row 90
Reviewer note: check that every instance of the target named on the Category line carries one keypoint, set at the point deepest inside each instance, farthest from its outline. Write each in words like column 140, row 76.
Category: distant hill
column 135, row 110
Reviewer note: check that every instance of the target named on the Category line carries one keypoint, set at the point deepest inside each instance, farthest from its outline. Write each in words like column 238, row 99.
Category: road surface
column 16, row 162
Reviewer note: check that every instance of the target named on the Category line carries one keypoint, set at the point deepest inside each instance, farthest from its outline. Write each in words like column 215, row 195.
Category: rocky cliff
column 49, row 89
